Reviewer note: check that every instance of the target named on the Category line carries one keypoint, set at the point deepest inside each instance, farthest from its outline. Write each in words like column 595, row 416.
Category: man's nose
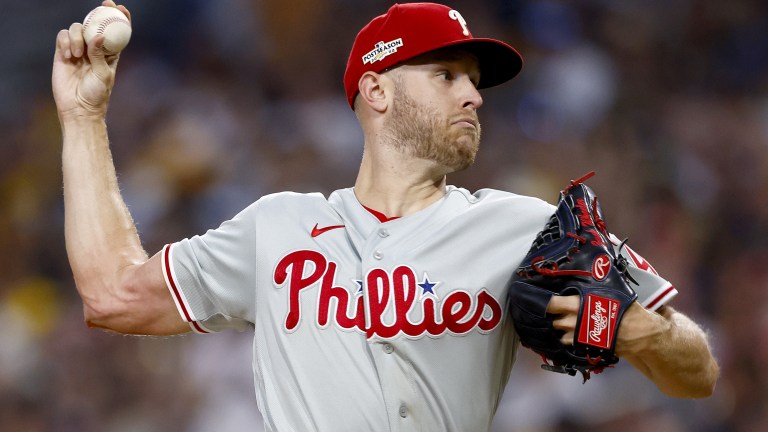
column 472, row 98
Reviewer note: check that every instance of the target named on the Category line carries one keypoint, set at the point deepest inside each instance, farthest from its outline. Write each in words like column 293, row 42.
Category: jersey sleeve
column 212, row 277
column 652, row 290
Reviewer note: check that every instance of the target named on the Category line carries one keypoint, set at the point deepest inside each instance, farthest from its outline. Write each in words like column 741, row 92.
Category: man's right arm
column 122, row 289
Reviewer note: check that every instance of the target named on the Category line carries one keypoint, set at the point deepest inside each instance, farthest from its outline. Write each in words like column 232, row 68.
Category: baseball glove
column 572, row 255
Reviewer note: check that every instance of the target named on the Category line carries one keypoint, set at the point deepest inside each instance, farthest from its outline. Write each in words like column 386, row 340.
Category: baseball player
column 382, row 306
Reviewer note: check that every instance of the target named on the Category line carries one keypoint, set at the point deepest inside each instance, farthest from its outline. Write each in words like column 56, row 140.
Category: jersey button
column 378, row 255
column 403, row 411
column 383, row 233
column 388, row 348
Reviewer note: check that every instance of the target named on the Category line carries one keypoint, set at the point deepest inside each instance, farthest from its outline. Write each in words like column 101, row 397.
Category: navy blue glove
column 572, row 255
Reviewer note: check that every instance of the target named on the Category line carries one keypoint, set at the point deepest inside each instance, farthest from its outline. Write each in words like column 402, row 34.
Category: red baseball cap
column 411, row 29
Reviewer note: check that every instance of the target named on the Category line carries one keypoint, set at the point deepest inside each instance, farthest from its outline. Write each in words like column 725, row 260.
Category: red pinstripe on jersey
column 177, row 296
column 660, row 297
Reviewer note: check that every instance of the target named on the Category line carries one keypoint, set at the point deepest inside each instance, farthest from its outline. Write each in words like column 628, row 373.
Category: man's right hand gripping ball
column 572, row 255
column 83, row 76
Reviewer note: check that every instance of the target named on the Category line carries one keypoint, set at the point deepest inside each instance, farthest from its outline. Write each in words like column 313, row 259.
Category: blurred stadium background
column 219, row 102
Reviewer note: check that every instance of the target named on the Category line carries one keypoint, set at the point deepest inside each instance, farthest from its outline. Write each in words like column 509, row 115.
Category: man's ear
column 372, row 91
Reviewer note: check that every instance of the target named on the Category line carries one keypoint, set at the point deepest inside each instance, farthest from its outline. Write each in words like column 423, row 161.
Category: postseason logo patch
column 382, row 50
column 598, row 321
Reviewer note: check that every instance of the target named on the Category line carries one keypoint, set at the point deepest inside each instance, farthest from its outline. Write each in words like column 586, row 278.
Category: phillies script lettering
column 305, row 272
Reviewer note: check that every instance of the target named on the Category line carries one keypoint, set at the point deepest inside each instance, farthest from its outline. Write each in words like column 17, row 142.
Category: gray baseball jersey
column 364, row 325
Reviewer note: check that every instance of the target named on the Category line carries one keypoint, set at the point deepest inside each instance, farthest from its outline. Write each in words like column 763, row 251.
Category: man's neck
column 397, row 185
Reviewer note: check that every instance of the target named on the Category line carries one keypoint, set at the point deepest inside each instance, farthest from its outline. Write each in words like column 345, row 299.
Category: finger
column 76, row 42
column 62, row 44
column 125, row 10
column 112, row 61
column 567, row 338
column 559, row 305
column 121, row 8
column 566, row 323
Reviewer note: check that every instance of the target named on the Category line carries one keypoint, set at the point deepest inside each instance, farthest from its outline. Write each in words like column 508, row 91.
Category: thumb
column 98, row 59
column 96, row 84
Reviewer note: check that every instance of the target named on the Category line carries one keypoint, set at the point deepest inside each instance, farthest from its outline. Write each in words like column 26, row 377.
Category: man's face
column 433, row 114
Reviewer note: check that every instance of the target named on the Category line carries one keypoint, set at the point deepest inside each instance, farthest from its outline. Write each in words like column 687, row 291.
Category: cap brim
column 498, row 61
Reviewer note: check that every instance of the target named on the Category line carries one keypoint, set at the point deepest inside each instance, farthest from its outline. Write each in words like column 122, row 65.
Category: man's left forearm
column 670, row 349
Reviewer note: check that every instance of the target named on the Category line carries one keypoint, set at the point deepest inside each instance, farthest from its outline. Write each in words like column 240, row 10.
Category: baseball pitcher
column 384, row 306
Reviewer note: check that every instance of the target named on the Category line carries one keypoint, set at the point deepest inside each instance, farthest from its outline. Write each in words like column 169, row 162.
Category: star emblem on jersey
column 427, row 286
column 317, row 230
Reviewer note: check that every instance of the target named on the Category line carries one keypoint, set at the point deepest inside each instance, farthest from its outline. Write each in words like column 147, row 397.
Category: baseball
column 111, row 23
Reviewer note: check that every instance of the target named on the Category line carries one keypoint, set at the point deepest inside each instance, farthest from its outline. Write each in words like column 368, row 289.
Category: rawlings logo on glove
column 572, row 255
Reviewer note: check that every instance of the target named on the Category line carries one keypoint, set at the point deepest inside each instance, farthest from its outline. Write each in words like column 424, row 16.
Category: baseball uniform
column 364, row 325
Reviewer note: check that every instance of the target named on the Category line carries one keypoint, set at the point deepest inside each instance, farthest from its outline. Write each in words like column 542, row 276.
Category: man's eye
column 445, row 75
